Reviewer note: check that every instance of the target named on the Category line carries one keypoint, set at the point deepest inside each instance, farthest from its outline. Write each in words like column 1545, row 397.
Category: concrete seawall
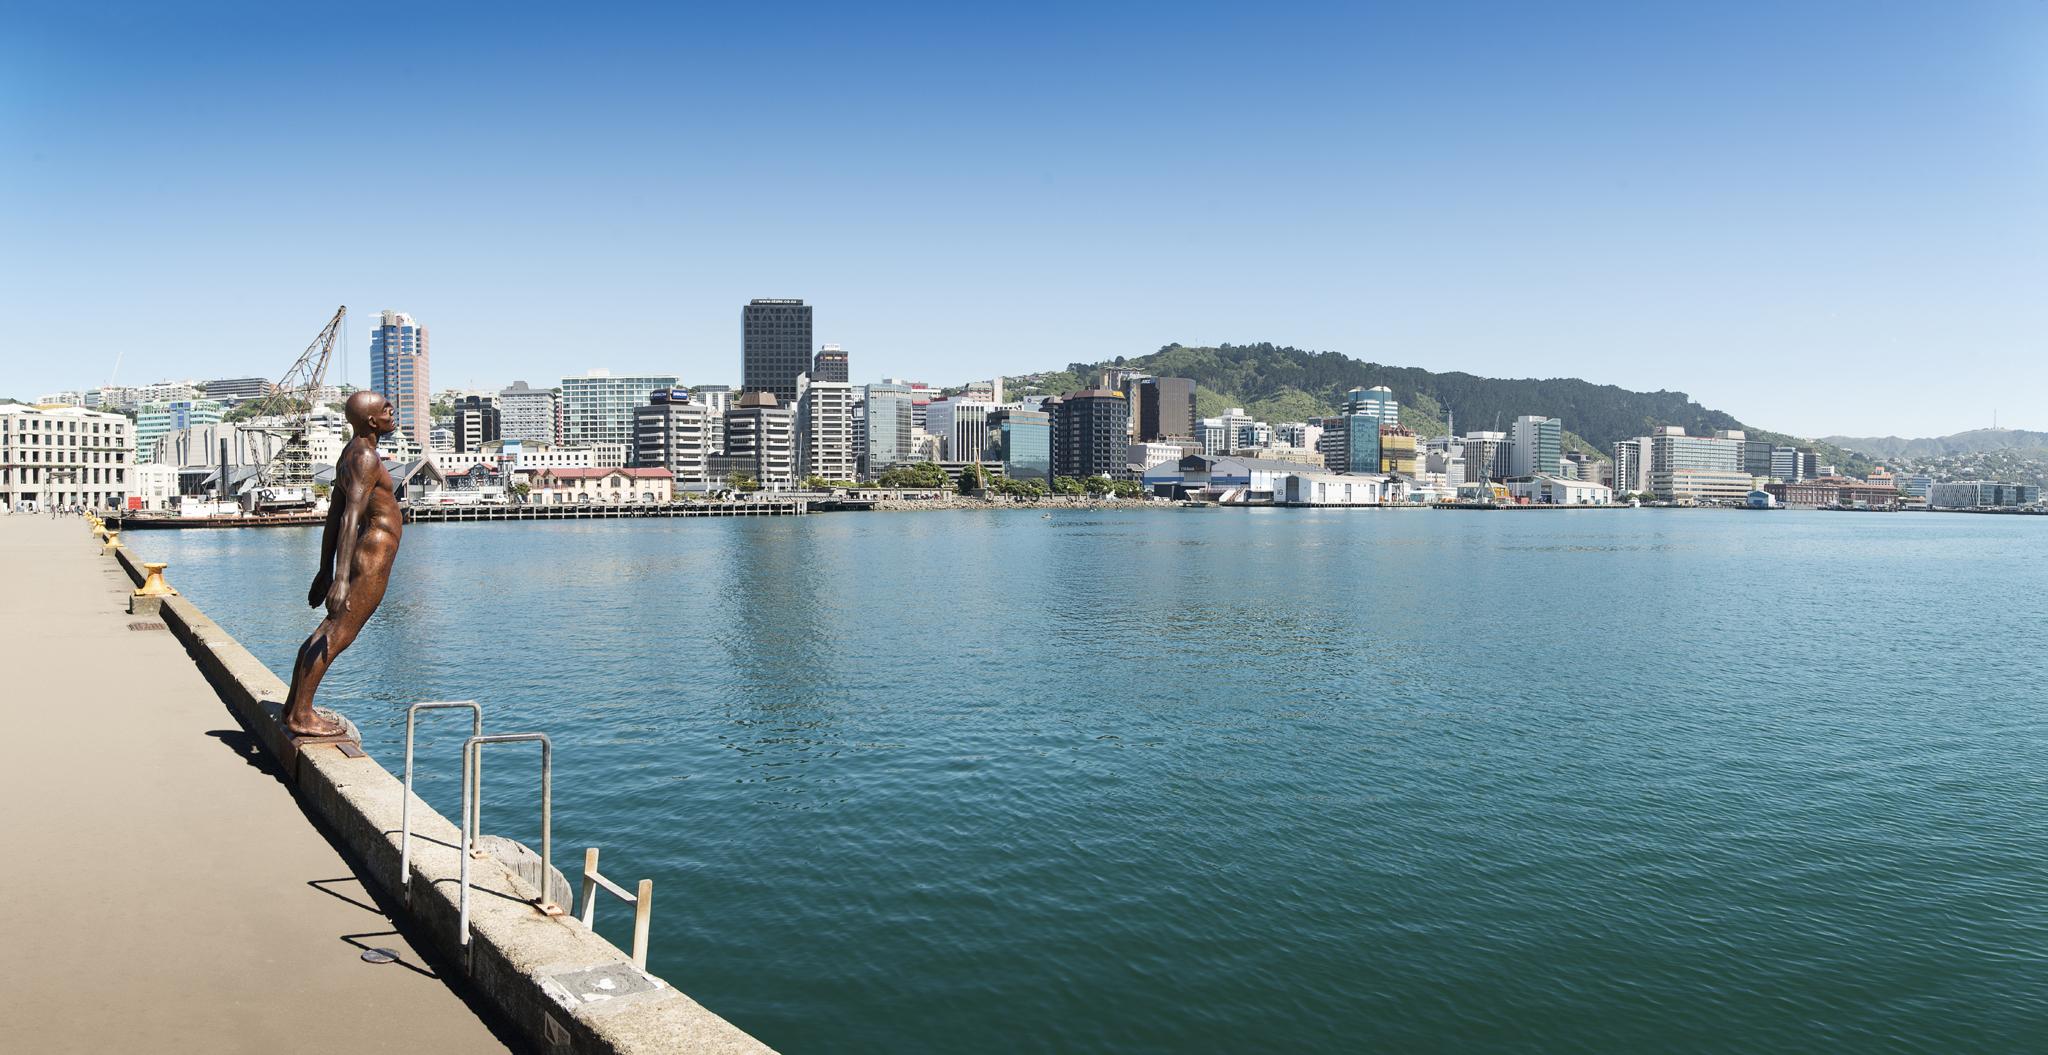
column 564, row 988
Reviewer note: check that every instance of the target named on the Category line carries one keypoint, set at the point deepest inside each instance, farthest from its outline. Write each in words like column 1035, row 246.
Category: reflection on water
column 1265, row 780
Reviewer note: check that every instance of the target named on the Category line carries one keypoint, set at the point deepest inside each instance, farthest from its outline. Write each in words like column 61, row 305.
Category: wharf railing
column 642, row 900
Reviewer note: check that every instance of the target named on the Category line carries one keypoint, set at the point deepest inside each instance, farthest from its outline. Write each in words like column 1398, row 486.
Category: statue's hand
column 337, row 599
column 317, row 596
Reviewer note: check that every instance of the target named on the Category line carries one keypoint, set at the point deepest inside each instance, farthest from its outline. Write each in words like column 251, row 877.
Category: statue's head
column 370, row 414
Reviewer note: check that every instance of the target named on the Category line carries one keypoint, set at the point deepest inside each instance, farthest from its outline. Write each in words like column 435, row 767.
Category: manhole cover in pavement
column 145, row 626
column 379, row 956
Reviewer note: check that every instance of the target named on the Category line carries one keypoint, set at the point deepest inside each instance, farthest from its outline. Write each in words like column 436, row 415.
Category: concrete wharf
column 168, row 893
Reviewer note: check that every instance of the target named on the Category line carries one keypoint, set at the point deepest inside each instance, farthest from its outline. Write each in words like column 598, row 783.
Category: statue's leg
column 315, row 656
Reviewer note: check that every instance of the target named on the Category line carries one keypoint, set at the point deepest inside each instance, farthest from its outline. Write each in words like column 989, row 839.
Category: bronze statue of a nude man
column 356, row 550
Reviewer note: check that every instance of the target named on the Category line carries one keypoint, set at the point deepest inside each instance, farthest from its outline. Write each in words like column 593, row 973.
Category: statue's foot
column 318, row 723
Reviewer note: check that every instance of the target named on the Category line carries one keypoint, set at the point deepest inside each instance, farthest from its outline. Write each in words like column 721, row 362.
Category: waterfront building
column 399, row 371
column 645, row 485
column 673, row 432
column 1915, row 485
column 1536, row 446
column 528, row 456
column 1486, row 456
column 527, row 413
column 598, row 407
column 65, row 456
column 1558, row 491
column 1981, row 494
column 760, row 439
column 61, row 399
column 824, row 430
column 1232, row 430
column 1693, row 469
column 830, row 364
column 1377, row 401
column 961, row 424
column 925, row 447
column 231, row 389
column 775, row 347
column 889, row 427
column 1143, row 456
column 1397, row 450
column 1020, row 441
column 1329, row 489
column 154, row 487
column 1822, row 491
column 152, row 420
column 476, row 421
column 1091, row 434
column 1163, row 409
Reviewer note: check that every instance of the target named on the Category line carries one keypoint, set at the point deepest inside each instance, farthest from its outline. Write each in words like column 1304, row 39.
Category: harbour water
column 1287, row 780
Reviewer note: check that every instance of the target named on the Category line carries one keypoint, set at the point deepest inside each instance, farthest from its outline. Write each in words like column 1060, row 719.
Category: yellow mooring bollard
column 154, row 585
column 113, row 543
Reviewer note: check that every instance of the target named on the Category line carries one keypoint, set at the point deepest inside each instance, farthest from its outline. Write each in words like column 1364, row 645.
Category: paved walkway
column 163, row 891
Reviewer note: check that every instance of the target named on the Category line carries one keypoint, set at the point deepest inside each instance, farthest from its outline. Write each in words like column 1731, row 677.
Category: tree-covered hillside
column 1277, row 383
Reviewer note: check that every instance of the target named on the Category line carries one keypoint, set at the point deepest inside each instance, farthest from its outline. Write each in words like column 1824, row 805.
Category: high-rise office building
column 1756, row 457
column 961, row 425
column 527, row 413
column 1632, row 465
column 760, row 439
column 1486, row 456
column 477, row 421
column 673, row 432
column 889, row 426
column 1022, row 441
column 775, row 347
column 824, row 430
column 1377, row 401
column 829, row 364
column 1536, row 446
column 1164, row 409
column 1397, row 449
column 598, row 407
column 1091, row 434
column 398, row 372
column 1697, row 468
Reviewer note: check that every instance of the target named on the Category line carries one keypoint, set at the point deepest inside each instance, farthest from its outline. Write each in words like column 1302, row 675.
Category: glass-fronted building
column 775, row 347
column 888, row 427
column 152, row 420
column 1022, row 441
column 398, row 372
column 598, row 408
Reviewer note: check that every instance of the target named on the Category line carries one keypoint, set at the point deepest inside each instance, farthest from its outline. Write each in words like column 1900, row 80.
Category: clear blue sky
column 1819, row 216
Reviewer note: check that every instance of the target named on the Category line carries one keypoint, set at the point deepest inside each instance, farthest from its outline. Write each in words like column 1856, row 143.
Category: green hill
column 1975, row 441
column 1277, row 383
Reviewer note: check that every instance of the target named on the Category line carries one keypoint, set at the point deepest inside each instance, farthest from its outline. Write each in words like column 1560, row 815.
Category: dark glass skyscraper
column 1091, row 434
column 775, row 347
column 1166, row 409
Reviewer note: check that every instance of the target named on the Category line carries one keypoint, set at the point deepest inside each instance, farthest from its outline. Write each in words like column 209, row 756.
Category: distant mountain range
column 1975, row 441
column 1277, row 383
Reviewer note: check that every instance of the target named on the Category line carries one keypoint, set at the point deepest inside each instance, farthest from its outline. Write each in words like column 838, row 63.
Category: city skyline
column 1788, row 231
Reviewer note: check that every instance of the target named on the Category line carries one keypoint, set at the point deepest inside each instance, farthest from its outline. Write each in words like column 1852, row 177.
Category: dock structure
column 194, row 879
column 169, row 893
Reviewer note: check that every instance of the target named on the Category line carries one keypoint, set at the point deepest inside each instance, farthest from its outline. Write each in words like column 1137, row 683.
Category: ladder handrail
column 476, row 728
column 472, row 796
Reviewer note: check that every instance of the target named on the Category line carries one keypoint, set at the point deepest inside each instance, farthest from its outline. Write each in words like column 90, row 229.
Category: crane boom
column 291, row 406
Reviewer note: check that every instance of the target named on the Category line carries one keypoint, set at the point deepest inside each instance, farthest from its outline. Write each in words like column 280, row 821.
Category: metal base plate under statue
column 349, row 740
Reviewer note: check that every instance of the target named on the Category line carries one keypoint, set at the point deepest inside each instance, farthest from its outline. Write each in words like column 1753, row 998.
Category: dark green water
column 1269, row 781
